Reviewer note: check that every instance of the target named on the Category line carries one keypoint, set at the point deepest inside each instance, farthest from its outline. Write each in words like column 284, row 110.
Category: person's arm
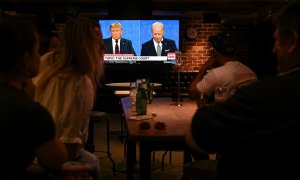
column 85, row 99
column 49, row 150
column 193, row 90
column 191, row 142
column 52, row 154
column 79, row 108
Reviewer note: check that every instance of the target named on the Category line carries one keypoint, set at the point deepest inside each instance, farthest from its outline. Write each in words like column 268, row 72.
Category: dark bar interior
column 248, row 21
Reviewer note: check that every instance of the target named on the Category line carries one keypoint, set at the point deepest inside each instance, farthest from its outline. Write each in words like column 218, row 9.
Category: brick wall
column 254, row 43
column 195, row 52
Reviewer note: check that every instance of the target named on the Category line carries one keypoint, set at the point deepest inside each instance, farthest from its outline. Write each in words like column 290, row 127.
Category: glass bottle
column 133, row 90
column 141, row 100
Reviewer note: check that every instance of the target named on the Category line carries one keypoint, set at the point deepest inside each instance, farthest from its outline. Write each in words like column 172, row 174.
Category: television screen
column 139, row 32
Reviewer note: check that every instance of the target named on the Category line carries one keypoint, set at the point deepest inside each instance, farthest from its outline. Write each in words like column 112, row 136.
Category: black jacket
column 125, row 46
column 168, row 45
column 256, row 131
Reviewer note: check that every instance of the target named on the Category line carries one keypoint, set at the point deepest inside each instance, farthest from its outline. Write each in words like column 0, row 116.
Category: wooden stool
column 70, row 170
column 76, row 170
column 96, row 117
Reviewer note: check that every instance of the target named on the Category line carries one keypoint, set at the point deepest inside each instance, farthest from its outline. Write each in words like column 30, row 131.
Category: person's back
column 256, row 131
column 66, row 85
column 27, row 129
column 228, row 71
column 233, row 74
column 22, row 121
column 265, row 133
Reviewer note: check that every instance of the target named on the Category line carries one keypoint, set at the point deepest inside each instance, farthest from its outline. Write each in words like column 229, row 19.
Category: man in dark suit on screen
column 115, row 44
column 158, row 45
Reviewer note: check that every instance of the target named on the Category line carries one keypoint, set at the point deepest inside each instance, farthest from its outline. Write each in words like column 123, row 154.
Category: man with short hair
column 228, row 70
column 256, row 131
column 158, row 45
column 116, row 44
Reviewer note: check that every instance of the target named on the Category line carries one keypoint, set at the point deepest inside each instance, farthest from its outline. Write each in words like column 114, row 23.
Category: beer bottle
column 141, row 99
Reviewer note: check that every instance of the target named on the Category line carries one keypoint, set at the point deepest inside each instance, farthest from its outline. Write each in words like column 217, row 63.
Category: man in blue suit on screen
column 115, row 44
column 159, row 45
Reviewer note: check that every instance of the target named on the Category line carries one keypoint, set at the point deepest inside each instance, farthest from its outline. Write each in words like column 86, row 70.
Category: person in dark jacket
column 158, row 45
column 27, row 129
column 116, row 44
column 255, row 132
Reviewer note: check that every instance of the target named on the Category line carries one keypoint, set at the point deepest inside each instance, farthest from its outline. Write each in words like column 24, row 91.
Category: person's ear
column 26, row 64
column 294, row 43
column 26, row 60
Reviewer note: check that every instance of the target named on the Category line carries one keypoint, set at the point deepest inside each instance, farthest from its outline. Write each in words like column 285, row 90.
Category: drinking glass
column 201, row 100
column 133, row 90
column 222, row 93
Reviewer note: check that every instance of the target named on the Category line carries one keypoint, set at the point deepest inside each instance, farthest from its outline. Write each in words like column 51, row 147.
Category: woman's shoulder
column 51, row 54
column 47, row 59
column 68, row 80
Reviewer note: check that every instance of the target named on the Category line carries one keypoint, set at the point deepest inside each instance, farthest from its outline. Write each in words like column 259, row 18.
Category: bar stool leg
column 95, row 118
column 108, row 147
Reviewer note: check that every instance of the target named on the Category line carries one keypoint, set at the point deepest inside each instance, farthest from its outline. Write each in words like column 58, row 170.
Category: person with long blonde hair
column 67, row 82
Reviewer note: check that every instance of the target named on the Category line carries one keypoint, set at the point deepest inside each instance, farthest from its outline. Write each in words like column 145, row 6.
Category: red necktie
column 117, row 50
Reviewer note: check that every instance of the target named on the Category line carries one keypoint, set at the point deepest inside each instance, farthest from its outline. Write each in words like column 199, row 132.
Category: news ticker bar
column 136, row 58
column 130, row 58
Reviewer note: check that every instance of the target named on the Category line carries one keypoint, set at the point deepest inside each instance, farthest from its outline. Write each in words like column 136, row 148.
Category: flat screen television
column 139, row 31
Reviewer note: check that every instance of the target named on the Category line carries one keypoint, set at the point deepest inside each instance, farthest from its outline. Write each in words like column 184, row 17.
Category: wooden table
column 176, row 119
